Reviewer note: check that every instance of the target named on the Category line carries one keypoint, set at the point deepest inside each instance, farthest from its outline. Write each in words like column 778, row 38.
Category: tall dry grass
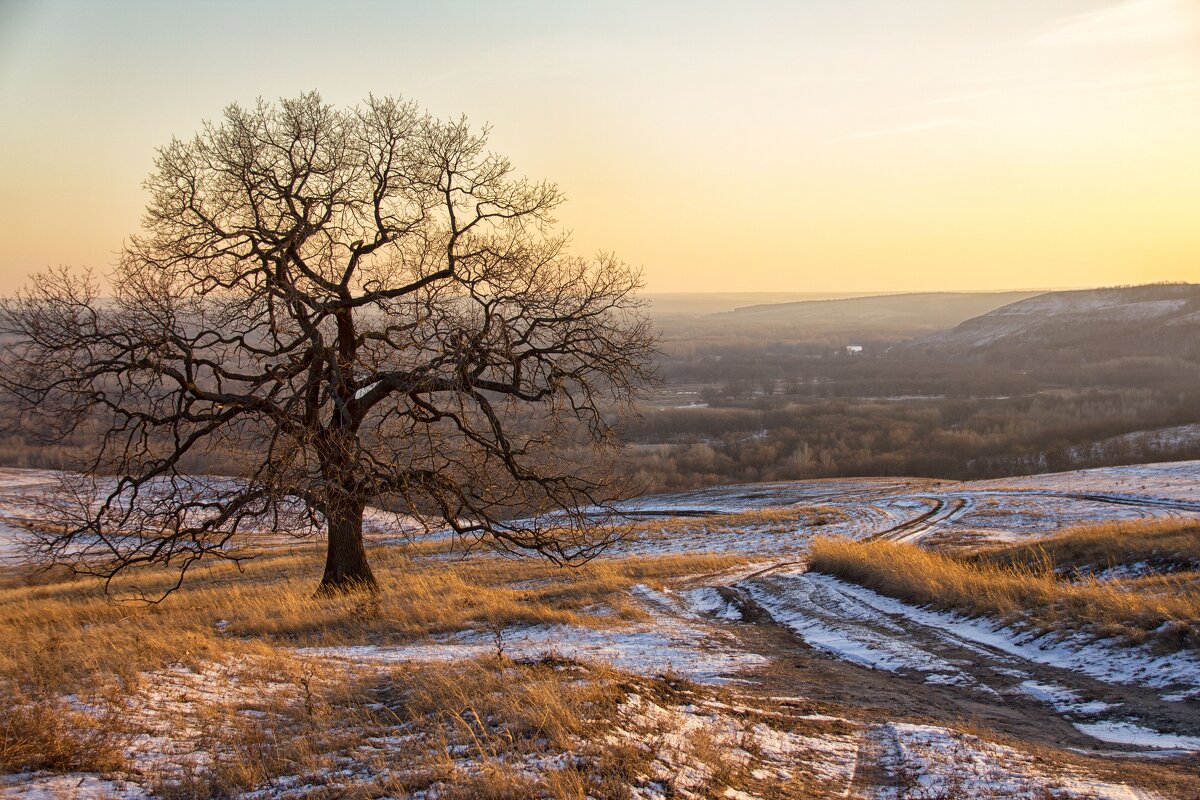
column 1157, row 545
column 40, row 730
column 1025, row 591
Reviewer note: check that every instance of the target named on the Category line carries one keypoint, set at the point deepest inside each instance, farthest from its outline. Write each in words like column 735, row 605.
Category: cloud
column 1132, row 22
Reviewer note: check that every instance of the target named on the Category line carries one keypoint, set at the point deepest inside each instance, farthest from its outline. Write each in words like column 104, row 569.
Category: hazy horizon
column 864, row 147
column 835, row 295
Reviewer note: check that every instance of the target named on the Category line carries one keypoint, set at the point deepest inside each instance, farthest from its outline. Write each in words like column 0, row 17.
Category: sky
column 802, row 146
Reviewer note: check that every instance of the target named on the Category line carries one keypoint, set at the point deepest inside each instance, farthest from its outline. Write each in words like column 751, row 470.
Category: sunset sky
column 858, row 145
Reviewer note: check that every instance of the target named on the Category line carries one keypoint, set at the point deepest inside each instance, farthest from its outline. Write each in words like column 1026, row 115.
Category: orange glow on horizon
column 792, row 147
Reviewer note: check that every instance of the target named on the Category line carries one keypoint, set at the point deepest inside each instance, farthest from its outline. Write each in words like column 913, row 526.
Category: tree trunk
column 346, row 567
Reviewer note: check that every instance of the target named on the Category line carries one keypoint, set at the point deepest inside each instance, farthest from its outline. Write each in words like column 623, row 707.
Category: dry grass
column 64, row 633
column 478, row 729
column 488, row 728
column 213, row 673
column 1027, row 592
column 80, row 671
column 206, row 695
column 43, row 732
column 1160, row 545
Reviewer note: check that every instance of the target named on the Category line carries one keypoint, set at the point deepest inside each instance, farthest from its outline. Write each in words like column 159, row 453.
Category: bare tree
column 356, row 306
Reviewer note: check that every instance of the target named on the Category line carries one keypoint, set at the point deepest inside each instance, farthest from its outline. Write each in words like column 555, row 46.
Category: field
column 874, row 638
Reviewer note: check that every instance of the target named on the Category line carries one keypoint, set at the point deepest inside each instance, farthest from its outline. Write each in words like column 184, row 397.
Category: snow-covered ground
column 858, row 625
column 1174, row 480
column 19, row 491
column 1006, row 509
column 1002, row 509
column 22, row 493
column 932, row 761
column 666, row 646
column 739, row 628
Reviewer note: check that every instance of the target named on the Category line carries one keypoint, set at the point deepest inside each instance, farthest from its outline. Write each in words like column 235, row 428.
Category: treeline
column 735, row 374
column 794, row 404
column 787, row 408
column 947, row 438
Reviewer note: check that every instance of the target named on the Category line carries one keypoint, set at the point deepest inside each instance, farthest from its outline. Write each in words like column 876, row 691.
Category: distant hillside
column 1087, row 326
column 914, row 313
column 698, row 304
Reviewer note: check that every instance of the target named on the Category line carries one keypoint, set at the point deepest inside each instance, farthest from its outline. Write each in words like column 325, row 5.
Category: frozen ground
column 912, row 509
column 902, row 678
column 22, row 490
column 1123, row 685
column 1178, row 480
column 667, row 646
column 997, row 510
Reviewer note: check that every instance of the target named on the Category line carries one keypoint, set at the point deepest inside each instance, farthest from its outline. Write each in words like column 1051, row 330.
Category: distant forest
column 785, row 438
column 815, row 390
column 865, row 387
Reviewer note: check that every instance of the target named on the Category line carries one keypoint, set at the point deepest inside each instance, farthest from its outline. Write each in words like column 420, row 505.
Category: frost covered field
column 702, row 657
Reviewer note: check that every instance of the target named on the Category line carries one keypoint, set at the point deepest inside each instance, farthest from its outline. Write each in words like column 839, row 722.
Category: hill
column 913, row 313
column 1086, row 326
column 667, row 305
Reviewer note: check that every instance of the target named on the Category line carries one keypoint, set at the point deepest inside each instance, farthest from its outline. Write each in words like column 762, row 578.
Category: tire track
column 944, row 510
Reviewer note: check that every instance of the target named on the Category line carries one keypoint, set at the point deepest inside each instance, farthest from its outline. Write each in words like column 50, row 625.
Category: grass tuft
column 42, row 732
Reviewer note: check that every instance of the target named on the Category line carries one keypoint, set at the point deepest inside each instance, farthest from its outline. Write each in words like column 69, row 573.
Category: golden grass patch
column 1159, row 545
column 77, row 664
column 66, row 632
column 41, row 731
column 1028, row 592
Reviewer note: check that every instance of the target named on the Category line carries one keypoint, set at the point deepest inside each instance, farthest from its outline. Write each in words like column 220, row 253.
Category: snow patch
column 1138, row 736
column 1063, row 700
column 708, row 601
column 939, row 762
column 75, row 785
column 665, row 647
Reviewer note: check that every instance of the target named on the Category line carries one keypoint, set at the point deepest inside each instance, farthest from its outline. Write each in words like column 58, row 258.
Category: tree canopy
column 353, row 306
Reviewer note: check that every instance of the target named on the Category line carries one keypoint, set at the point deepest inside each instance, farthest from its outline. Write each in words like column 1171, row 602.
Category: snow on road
column 841, row 625
column 1105, row 662
column 1138, row 736
column 858, row 625
column 1062, row 699
column 931, row 761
